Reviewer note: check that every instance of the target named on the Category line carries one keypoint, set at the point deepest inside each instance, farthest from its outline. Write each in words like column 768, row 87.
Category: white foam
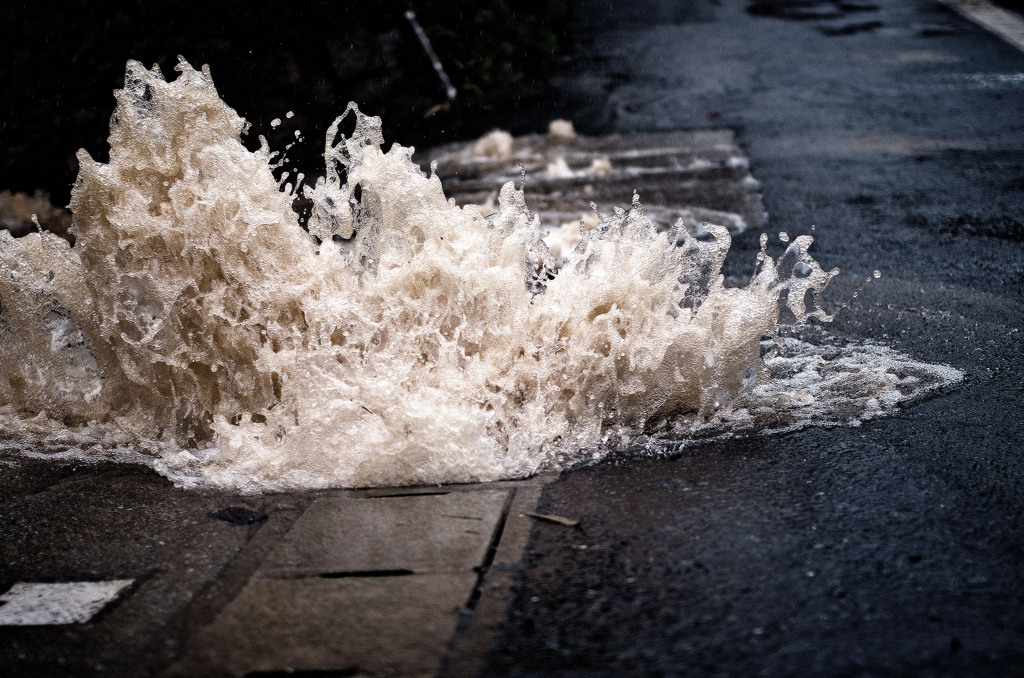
column 196, row 321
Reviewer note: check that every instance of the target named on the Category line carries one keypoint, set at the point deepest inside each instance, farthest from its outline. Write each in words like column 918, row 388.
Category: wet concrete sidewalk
column 400, row 582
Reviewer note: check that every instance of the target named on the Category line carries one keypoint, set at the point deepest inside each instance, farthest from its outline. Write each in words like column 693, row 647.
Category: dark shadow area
column 64, row 59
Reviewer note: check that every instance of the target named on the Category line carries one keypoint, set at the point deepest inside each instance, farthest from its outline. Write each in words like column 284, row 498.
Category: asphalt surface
column 894, row 548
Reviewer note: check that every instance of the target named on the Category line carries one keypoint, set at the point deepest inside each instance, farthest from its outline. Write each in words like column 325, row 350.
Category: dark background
column 63, row 59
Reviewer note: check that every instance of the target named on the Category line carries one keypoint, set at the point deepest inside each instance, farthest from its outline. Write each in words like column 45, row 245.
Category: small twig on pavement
column 568, row 522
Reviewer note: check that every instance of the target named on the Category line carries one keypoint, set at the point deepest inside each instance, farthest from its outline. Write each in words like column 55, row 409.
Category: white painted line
column 35, row 604
column 1003, row 23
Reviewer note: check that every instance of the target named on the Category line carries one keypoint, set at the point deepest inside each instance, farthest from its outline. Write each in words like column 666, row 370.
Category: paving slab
column 67, row 521
column 412, row 533
column 697, row 176
column 352, row 626
column 481, row 619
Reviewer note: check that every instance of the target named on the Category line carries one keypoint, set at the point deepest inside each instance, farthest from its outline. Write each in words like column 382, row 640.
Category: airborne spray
column 196, row 323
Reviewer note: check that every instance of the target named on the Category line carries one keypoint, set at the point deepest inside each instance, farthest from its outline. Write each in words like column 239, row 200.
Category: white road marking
column 37, row 604
column 1003, row 23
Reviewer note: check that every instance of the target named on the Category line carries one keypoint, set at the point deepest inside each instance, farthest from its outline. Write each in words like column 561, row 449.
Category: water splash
column 401, row 340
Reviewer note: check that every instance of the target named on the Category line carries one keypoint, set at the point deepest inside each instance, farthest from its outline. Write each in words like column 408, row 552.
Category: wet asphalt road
column 895, row 548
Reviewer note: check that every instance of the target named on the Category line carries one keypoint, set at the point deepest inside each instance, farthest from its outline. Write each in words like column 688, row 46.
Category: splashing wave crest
column 196, row 320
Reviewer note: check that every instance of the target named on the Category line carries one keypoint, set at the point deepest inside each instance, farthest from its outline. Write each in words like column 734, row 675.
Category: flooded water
column 398, row 339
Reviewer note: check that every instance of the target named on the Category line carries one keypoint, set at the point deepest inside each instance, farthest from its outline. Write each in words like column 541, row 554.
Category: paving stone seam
column 468, row 610
column 206, row 604
column 478, row 626
column 485, row 600
column 492, row 549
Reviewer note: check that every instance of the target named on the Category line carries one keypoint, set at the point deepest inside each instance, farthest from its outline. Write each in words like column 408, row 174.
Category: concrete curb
column 1003, row 23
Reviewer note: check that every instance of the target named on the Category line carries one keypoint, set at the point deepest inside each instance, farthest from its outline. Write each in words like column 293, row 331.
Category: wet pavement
column 893, row 548
column 131, row 576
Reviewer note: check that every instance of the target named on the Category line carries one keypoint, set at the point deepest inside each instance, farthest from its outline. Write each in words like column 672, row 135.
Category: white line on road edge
column 1003, row 23
column 45, row 604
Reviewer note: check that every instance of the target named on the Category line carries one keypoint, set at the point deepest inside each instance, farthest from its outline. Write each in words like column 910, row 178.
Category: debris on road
column 568, row 522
